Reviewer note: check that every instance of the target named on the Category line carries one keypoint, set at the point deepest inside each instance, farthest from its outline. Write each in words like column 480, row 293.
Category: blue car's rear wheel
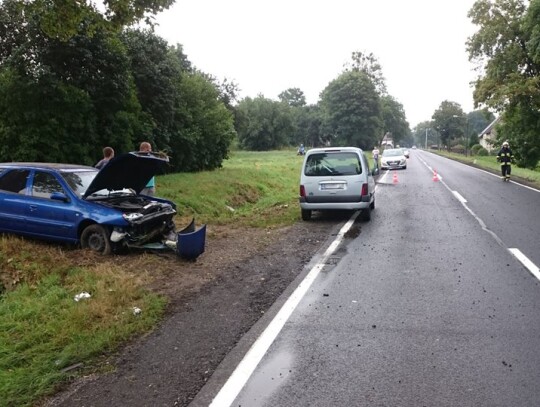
column 96, row 238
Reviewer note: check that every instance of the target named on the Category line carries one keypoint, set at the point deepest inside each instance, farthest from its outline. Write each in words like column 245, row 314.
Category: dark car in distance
column 99, row 209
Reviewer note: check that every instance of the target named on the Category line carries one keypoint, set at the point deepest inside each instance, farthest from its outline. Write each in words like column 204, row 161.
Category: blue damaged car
column 101, row 210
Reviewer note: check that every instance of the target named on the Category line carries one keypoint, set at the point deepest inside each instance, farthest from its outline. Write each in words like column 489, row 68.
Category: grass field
column 45, row 334
column 252, row 189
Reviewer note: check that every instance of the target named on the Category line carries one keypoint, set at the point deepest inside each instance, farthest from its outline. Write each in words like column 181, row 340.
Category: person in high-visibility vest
column 505, row 157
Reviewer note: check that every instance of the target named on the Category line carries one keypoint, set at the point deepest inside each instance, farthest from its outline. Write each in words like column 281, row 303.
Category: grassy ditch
column 251, row 189
column 47, row 338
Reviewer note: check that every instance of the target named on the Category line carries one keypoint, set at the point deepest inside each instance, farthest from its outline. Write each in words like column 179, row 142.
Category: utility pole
column 426, row 137
column 467, row 136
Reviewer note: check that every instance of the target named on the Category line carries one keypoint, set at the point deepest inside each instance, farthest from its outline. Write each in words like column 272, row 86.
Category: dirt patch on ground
column 213, row 302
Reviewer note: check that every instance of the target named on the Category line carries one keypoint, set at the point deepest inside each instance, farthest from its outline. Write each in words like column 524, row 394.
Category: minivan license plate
column 332, row 186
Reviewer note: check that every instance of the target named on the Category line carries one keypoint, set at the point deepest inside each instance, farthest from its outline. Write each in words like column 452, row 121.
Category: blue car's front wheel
column 96, row 238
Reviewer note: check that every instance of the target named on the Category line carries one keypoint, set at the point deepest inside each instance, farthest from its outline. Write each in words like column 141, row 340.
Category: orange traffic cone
column 435, row 176
column 395, row 180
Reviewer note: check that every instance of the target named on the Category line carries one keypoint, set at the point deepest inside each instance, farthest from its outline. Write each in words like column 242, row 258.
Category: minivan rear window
column 332, row 164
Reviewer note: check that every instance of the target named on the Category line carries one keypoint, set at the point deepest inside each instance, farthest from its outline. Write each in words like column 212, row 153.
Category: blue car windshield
column 79, row 181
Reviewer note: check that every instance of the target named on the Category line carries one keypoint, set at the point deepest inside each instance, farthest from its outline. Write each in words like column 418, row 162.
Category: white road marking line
column 516, row 252
column 247, row 366
column 480, row 221
column 535, row 271
column 513, row 182
column 487, row 172
column 238, row 379
column 459, row 197
column 433, row 171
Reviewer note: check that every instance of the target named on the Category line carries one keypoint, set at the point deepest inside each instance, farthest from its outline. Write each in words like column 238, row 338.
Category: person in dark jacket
column 108, row 154
column 505, row 157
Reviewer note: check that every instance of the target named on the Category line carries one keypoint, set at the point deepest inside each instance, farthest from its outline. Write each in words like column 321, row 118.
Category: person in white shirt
column 375, row 153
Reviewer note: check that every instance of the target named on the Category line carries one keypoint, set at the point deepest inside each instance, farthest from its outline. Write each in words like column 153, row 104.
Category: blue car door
column 13, row 199
column 52, row 218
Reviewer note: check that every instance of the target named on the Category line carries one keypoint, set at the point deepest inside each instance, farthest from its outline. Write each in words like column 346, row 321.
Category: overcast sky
column 267, row 47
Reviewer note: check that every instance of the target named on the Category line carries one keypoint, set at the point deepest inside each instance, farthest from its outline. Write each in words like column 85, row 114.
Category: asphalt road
column 426, row 305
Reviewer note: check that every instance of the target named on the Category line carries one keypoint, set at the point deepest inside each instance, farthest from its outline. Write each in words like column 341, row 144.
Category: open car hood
column 132, row 170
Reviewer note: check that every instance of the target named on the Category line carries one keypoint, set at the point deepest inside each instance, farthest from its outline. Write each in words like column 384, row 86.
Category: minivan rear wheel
column 306, row 214
column 366, row 214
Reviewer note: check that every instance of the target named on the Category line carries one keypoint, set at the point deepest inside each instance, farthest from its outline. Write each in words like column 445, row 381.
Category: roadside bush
column 458, row 148
column 482, row 152
column 477, row 149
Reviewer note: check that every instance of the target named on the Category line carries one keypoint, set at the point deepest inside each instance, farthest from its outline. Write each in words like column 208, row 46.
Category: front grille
column 150, row 228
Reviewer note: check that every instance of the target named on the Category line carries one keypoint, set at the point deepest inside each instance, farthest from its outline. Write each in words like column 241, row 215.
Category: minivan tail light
column 302, row 190
column 364, row 189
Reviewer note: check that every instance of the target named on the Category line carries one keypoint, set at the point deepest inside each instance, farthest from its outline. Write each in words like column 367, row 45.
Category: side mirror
column 59, row 196
column 375, row 171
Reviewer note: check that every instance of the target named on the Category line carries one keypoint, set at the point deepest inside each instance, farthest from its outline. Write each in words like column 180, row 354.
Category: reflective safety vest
column 504, row 156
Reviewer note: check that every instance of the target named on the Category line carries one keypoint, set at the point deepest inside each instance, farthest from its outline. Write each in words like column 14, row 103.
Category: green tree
column 351, row 109
column 100, row 66
column 228, row 93
column 478, row 120
column 369, row 64
column 98, row 88
column 203, row 129
column 263, row 124
column 62, row 19
column 156, row 69
column 449, row 120
column 295, row 101
column 518, row 126
column 394, row 120
column 94, row 68
column 308, row 126
column 45, row 120
column 506, row 45
column 501, row 47
column 293, row 97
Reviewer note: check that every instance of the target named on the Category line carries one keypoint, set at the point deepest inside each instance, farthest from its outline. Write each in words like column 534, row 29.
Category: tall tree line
column 66, row 91
column 354, row 109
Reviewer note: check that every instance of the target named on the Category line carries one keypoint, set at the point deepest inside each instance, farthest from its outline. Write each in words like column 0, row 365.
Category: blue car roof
column 131, row 170
column 52, row 166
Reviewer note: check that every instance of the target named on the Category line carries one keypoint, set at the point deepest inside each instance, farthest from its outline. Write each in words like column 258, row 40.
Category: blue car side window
column 45, row 184
column 14, row 181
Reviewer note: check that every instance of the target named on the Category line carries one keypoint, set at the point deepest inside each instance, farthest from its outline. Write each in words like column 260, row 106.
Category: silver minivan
column 336, row 178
